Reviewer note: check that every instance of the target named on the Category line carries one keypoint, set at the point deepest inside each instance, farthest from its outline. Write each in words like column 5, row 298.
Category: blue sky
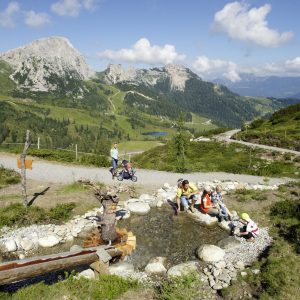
column 215, row 38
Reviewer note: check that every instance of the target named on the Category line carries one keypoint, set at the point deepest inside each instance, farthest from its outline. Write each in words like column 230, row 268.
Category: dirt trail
column 62, row 173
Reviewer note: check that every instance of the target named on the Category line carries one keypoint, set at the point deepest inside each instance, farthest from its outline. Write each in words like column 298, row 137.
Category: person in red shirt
column 207, row 206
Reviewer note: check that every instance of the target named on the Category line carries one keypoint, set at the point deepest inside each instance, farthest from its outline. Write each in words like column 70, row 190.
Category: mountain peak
column 34, row 63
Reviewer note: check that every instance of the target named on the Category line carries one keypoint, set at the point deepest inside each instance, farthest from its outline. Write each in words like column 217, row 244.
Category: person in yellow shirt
column 186, row 191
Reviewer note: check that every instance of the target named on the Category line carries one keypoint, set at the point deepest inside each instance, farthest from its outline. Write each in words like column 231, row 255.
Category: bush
column 8, row 177
column 286, row 209
column 18, row 215
column 61, row 212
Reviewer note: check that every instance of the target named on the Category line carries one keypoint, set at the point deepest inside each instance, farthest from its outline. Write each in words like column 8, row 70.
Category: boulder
column 144, row 197
column 210, row 253
column 10, row 246
column 226, row 225
column 123, row 269
column 48, row 241
column 89, row 274
column 156, row 266
column 159, row 203
column 229, row 243
column 27, row 244
column 139, row 208
column 183, row 269
column 204, row 218
column 220, row 264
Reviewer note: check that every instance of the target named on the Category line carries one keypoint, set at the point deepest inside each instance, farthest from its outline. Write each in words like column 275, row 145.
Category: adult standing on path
column 114, row 154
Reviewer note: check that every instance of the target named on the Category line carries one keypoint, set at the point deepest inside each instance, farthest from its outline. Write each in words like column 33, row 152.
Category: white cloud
column 143, row 52
column 73, row 7
column 89, row 5
column 290, row 67
column 6, row 16
column 67, row 8
column 247, row 24
column 36, row 20
column 214, row 68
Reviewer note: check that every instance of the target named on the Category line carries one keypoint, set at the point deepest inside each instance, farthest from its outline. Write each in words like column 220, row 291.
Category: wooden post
column 38, row 143
column 23, row 169
column 76, row 150
column 129, row 157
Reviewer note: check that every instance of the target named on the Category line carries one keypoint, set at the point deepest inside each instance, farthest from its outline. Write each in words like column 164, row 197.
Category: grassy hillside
column 214, row 157
column 281, row 130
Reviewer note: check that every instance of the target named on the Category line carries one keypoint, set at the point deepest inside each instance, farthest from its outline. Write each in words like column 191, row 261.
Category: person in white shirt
column 250, row 230
column 114, row 153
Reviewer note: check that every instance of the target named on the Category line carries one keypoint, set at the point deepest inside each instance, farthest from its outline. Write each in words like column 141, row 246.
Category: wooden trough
column 22, row 269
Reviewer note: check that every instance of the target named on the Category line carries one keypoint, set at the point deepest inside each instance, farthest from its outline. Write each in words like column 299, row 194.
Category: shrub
column 61, row 212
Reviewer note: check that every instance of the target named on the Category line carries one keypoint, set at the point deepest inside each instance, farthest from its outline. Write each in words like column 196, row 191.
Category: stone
column 240, row 265
column 224, row 277
column 123, row 269
column 103, row 255
column 75, row 248
column 10, row 246
column 21, row 256
column 229, row 243
column 89, row 274
column 27, row 244
column 210, row 253
column 100, row 267
column 139, row 208
column 255, row 271
column 216, row 272
column 183, row 269
column 212, row 283
column 204, row 218
column 133, row 200
column 244, row 274
column 144, row 197
column 226, row 225
column 49, row 241
column 156, row 266
column 159, row 203
column 220, row 264
column 217, row 286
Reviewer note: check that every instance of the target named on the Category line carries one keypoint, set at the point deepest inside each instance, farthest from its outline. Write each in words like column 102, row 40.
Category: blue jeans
column 114, row 163
column 184, row 200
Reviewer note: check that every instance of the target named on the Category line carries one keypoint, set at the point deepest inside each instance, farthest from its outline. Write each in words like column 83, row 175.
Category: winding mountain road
column 63, row 173
column 226, row 137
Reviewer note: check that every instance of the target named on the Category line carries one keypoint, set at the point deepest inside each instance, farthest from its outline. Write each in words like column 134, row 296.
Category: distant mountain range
column 52, row 69
column 268, row 86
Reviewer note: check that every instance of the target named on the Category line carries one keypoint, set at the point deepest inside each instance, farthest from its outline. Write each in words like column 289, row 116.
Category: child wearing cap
column 250, row 230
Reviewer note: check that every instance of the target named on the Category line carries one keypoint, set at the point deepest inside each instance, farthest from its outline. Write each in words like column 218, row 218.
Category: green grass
column 18, row 215
column 281, row 130
column 8, row 177
column 105, row 287
column 215, row 157
column 132, row 146
column 74, row 187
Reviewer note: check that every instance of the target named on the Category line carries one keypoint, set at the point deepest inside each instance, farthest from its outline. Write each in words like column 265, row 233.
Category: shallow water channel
column 161, row 233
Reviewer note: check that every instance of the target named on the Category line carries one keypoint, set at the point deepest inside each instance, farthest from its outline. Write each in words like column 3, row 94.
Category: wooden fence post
column 38, row 146
column 23, row 169
column 76, row 150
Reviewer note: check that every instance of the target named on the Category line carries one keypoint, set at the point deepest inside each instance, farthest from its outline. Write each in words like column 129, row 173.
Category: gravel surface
column 63, row 173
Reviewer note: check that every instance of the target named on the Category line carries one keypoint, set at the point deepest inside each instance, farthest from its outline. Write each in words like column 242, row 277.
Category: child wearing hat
column 250, row 230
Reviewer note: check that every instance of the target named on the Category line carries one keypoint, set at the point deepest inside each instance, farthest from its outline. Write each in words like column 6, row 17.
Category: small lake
column 155, row 133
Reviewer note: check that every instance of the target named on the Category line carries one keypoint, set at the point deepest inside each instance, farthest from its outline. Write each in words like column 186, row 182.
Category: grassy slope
column 281, row 130
column 213, row 156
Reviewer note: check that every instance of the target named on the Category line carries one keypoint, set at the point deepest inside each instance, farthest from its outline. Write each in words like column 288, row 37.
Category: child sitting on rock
column 249, row 230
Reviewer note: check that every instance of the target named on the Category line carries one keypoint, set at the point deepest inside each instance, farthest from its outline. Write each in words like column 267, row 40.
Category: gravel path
column 226, row 137
column 63, row 173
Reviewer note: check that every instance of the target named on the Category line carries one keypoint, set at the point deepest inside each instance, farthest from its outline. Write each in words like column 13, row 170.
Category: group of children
column 211, row 203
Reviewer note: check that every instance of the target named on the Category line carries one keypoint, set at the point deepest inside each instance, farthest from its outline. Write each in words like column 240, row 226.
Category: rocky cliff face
column 46, row 65
column 176, row 75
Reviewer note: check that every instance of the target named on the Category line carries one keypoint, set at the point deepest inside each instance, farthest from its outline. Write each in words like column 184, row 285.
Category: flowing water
column 161, row 233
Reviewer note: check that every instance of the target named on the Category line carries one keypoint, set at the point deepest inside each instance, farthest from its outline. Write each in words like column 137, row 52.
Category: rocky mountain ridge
column 177, row 75
column 46, row 64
